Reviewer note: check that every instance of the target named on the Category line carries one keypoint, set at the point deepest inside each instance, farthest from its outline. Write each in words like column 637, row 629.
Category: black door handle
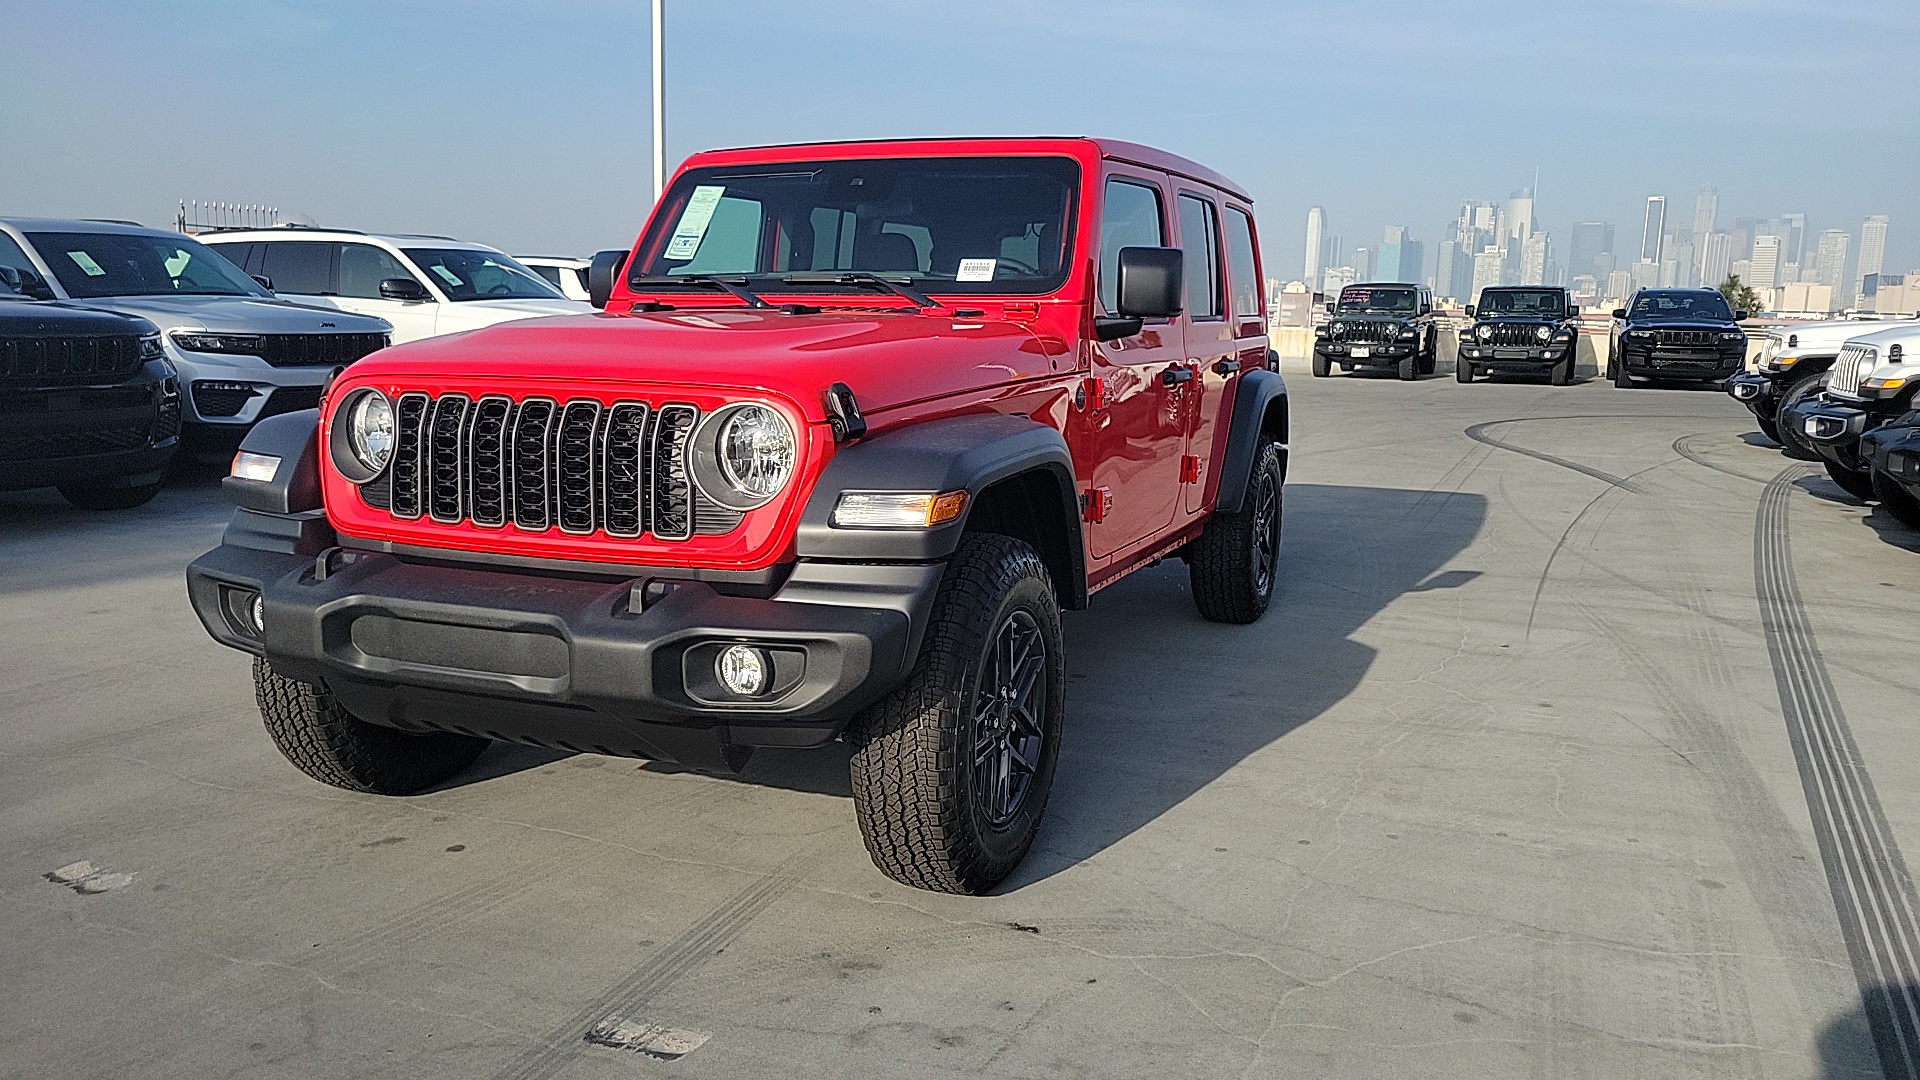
column 1226, row 367
column 1174, row 376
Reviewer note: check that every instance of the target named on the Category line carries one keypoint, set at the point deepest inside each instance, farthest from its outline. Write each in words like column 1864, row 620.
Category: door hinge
column 1189, row 469
column 1095, row 503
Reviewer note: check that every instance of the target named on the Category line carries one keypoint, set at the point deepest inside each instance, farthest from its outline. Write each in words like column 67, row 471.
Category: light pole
column 659, row 100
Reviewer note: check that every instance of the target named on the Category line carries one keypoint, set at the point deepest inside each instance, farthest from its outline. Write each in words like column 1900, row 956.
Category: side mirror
column 25, row 282
column 1469, row 311
column 1620, row 313
column 1333, row 306
column 1739, row 315
column 601, row 274
column 404, row 289
column 1150, row 282
column 265, row 281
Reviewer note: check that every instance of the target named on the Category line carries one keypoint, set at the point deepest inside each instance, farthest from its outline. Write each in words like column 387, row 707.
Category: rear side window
column 300, row 266
column 1131, row 218
column 363, row 267
column 551, row 273
column 1245, row 281
column 1201, row 242
column 241, row 254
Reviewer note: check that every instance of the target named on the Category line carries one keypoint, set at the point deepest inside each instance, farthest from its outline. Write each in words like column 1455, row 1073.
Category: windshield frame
column 52, row 244
column 1635, row 313
column 1562, row 311
column 647, row 271
column 423, row 263
column 1341, row 307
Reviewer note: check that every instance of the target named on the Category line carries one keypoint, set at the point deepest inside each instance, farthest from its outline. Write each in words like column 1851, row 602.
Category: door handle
column 1176, row 375
column 1226, row 367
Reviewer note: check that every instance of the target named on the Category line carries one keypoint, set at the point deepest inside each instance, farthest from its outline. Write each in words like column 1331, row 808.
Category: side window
column 362, row 268
column 1202, row 246
column 1240, row 260
column 239, row 255
column 304, row 267
column 1131, row 218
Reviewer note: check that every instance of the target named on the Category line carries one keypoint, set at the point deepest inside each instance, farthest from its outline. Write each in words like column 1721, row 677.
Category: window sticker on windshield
column 694, row 220
column 86, row 264
column 447, row 275
column 975, row 270
column 176, row 262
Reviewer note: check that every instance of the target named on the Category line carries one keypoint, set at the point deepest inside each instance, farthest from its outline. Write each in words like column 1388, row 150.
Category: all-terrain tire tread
column 1220, row 558
column 333, row 746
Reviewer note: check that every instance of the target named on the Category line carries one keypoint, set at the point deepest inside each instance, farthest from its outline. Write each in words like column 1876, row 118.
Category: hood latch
column 843, row 413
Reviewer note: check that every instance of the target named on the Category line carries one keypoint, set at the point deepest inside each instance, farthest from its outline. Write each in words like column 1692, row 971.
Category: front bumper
column 1894, row 450
column 1757, row 392
column 1377, row 355
column 1654, row 362
column 1833, row 428
column 1516, row 356
column 612, row 665
column 60, row 434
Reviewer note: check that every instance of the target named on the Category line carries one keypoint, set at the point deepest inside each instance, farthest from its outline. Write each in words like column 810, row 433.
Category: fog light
column 743, row 670
column 258, row 611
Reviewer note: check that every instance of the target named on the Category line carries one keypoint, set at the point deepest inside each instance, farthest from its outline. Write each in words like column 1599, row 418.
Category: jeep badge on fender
column 821, row 468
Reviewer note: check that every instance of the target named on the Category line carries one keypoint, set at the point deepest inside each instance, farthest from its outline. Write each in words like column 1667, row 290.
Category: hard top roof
column 82, row 225
column 1075, row 145
column 309, row 232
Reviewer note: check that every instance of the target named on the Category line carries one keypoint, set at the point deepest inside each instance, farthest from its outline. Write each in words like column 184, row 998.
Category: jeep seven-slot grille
column 578, row 466
column 1514, row 334
column 1375, row 333
column 1851, row 368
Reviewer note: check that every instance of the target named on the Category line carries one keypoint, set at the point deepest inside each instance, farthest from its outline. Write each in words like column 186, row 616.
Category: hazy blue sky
column 524, row 123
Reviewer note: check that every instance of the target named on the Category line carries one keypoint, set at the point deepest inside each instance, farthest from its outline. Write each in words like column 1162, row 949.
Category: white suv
column 423, row 285
column 566, row 274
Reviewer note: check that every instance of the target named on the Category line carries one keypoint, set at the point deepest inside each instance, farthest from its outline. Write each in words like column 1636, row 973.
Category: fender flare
column 1260, row 415
column 294, row 438
column 971, row 453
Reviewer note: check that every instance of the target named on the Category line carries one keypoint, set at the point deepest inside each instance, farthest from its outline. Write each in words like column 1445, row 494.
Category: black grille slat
column 60, row 359
column 1687, row 338
column 623, row 473
column 487, row 462
column 529, row 465
column 574, row 467
column 316, row 350
column 446, row 436
column 1372, row 333
column 409, row 418
column 1514, row 334
column 672, row 488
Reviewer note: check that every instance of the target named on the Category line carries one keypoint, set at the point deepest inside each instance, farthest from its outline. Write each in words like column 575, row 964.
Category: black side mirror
column 404, row 289
column 265, row 281
column 1149, row 288
column 26, row 282
column 1469, row 311
column 601, row 274
column 1619, row 313
column 1739, row 315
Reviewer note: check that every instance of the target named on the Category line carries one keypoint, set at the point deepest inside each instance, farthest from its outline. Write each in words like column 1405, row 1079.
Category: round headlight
column 1542, row 334
column 1337, row 329
column 362, row 435
column 743, row 455
column 1483, row 332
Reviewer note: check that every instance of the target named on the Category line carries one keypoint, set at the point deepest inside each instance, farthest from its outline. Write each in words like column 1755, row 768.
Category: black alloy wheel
column 1010, row 719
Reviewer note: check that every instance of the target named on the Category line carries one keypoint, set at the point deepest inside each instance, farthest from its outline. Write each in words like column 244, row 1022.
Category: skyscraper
column 1705, row 209
column 1533, row 260
column 1591, row 240
column 1765, row 262
column 1653, row 233
column 1387, row 264
column 1516, row 220
column 1446, row 271
column 1716, row 259
column 1486, row 271
column 1873, row 250
column 1830, row 261
column 1316, row 237
column 1796, row 234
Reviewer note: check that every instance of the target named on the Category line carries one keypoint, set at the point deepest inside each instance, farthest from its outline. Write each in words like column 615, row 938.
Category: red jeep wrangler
column 858, row 420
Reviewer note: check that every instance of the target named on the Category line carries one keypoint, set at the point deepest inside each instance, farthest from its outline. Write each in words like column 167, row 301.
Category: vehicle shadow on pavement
column 1846, row 1044
column 1891, row 529
column 1160, row 703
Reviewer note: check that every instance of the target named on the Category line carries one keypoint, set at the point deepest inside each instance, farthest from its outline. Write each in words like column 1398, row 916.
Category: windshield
column 467, row 274
column 1541, row 302
column 93, row 265
column 1710, row 307
column 1377, row 301
column 947, row 225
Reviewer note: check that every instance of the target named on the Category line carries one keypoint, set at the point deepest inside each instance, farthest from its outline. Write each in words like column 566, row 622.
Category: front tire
column 1462, row 371
column 1321, row 366
column 335, row 747
column 1895, row 500
column 1562, row 373
column 1859, row 485
column 1793, row 440
column 102, row 495
column 1409, row 368
column 1233, row 564
column 1620, row 377
column 1770, row 429
column 951, row 771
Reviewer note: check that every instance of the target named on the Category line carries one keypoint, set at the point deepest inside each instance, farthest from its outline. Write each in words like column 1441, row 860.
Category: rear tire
column 1321, row 366
column 1234, row 563
column 335, row 747
column 1795, row 442
column 1409, row 368
column 1462, row 371
column 1895, row 500
column 1857, row 484
column 951, row 771
column 1770, row 429
column 102, row 495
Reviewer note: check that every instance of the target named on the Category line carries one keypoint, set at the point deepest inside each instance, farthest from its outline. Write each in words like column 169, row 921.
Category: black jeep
column 87, row 402
column 1687, row 335
column 1520, row 328
column 1381, row 326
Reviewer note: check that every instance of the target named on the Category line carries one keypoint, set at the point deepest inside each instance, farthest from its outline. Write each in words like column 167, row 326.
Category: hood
column 473, row 314
column 1831, row 334
column 887, row 359
column 1524, row 317
column 1684, row 324
column 46, row 318
column 1905, row 335
column 238, row 314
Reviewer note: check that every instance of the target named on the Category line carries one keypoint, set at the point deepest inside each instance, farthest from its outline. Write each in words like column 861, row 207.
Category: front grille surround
column 318, row 350
column 580, row 467
column 1368, row 332
column 1687, row 339
column 1851, row 368
column 66, row 359
column 1513, row 334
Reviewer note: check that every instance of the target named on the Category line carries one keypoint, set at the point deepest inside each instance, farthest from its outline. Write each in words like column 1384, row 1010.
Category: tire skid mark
column 555, row 1049
column 1478, row 433
column 1684, row 447
column 1872, row 892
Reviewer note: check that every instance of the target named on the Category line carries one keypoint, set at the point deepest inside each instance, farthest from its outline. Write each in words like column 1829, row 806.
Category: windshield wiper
column 735, row 286
column 861, row 277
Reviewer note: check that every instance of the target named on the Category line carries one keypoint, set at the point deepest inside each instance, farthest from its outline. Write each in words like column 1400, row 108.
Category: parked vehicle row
column 1871, row 383
column 858, row 422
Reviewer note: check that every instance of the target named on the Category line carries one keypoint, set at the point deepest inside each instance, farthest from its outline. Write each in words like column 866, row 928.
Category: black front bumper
column 1833, row 428
column 1341, row 352
column 606, row 664
column 1894, row 451
column 1697, row 365
column 1515, row 356
column 61, row 434
column 1757, row 392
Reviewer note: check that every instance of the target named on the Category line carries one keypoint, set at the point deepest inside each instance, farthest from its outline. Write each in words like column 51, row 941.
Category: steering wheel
column 500, row 290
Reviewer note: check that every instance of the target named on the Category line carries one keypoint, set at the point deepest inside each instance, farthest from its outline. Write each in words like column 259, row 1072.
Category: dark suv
column 87, row 402
column 1688, row 335
column 1381, row 326
column 1520, row 328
